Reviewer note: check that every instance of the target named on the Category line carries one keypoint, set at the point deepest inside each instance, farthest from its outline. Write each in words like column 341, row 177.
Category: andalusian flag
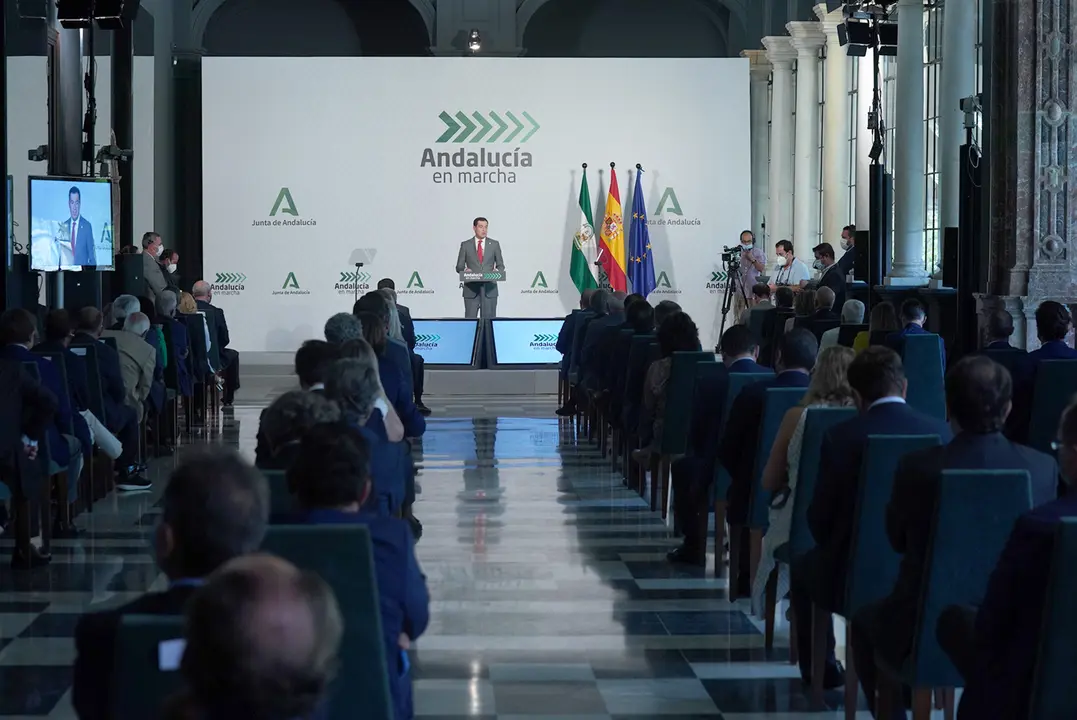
column 612, row 239
column 584, row 247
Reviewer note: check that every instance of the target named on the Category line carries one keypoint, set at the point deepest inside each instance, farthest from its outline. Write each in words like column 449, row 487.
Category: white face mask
column 747, row 246
column 158, row 250
column 171, row 268
column 818, row 265
column 844, row 244
column 781, row 260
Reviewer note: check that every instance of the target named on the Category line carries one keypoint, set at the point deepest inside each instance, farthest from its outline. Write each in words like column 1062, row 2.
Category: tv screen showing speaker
column 71, row 223
column 447, row 342
column 526, row 342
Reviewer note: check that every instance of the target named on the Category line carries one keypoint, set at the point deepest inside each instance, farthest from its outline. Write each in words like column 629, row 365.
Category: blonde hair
column 187, row 305
column 830, row 378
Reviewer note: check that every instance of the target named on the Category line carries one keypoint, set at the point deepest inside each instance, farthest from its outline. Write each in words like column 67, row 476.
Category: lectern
column 491, row 276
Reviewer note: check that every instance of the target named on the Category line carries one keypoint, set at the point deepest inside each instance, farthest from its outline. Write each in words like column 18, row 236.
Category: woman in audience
column 678, row 332
column 396, row 332
column 803, row 306
column 385, row 417
column 393, row 385
column 187, row 306
column 284, row 423
column 882, row 322
column 829, row 388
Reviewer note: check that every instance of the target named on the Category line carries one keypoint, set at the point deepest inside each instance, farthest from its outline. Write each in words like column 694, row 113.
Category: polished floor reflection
column 551, row 593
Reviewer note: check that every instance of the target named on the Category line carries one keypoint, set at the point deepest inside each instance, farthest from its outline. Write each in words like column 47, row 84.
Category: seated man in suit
column 26, row 414
column 564, row 344
column 995, row 647
column 407, row 327
column 138, row 360
column 331, row 482
column 120, row 418
column 831, row 276
column 824, row 305
column 18, row 333
column 795, row 360
column 878, row 380
column 852, row 313
column 998, row 328
column 1053, row 323
column 639, row 318
column 760, row 301
column 913, row 317
column 692, row 475
column 215, row 507
column 229, row 358
column 167, row 303
column 263, row 642
column 978, row 392
column 395, row 351
column 592, row 362
column 58, row 335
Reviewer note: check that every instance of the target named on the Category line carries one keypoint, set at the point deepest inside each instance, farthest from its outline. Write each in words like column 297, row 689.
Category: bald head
column 262, row 639
column 824, row 298
column 200, row 290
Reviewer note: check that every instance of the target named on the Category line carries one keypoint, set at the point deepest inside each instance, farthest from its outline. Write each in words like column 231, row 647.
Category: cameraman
column 753, row 261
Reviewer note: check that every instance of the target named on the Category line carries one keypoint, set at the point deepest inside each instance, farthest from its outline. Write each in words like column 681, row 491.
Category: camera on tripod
column 731, row 255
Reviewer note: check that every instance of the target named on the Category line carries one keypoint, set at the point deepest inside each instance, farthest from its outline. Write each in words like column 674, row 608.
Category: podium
column 491, row 276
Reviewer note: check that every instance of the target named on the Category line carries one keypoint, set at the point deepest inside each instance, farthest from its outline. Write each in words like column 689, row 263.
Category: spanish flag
column 612, row 238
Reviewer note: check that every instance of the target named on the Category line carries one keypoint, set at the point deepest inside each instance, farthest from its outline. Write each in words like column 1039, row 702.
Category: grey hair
column 395, row 331
column 137, row 323
column 295, row 412
column 353, row 385
column 852, row 312
column 343, row 327
column 200, row 289
column 600, row 302
column 123, row 306
column 148, row 238
column 167, row 302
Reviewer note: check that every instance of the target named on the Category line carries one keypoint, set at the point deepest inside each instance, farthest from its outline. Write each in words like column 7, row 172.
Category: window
column 854, row 128
column 932, row 76
column 819, row 127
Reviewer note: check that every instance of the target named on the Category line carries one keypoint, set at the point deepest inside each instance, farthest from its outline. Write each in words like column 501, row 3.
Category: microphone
column 598, row 260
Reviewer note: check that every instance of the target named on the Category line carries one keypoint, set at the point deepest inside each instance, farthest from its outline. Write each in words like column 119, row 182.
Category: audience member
column 18, row 333
column 592, row 361
column 395, row 331
column 824, row 305
column 878, row 380
column 215, row 507
column 995, row 647
column 395, row 352
column 829, row 387
column 790, row 270
column 639, row 318
column 678, row 333
column 784, row 298
column 343, row 327
column 284, row 424
column 913, row 317
column 312, row 359
column 796, row 358
column 644, row 319
column 138, row 359
column 169, row 266
column 392, row 381
column 229, row 358
column 664, row 310
column 760, row 301
column 852, row 313
column 263, row 640
column 693, row 475
column 385, row 420
column 152, row 274
column 803, row 306
column 830, row 273
column 167, row 304
column 188, row 306
column 609, row 341
column 997, row 329
column 407, row 327
column 882, row 322
column 978, row 398
column 565, row 337
column 331, row 481
column 1053, row 324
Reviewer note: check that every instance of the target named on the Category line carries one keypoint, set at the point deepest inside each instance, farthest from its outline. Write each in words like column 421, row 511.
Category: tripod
column 735, row 285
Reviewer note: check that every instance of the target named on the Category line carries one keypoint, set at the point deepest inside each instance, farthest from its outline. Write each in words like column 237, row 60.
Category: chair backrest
column 1056, row 384
column 873, row 565
column 281, row 500
column 89, row 355
column 1056, row 663
column 816, row 424
column 43, row 447
column 171, row 370
column 60, row 363
column 111, row 342
column 196, row 337
column 1008, row 358
column 878, row 337
column 635, row 373
column 582, row 321
column 974, row 515
column 680, row 390
column 778, row 401
column 847, row 334
column 761, row 322
column 737, row 383
column 922, row 359
column 705, row 372
column 146, row 671
column 342, row 556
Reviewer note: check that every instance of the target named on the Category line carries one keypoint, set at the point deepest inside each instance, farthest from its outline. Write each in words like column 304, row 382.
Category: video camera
column 731, row 255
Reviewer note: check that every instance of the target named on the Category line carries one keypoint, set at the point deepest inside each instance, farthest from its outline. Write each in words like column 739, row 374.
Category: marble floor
column 550, row 592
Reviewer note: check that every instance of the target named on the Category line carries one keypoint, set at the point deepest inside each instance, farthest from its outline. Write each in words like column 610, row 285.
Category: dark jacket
column 1009, row 622
column 1053, row 350
column 834, row 278
column 407, row 326
column 221, row 338
column 739, row 440
column 181, row 349
column 401, row 398
column 847, row 262
column 910, row 515
column 707, row 406
column 564, row 340
column 397, row 353
column 95, row 648
column 26, row 408
column 830, row 514
column 896, row 342
column 108, row 365
column 78, row 383
column 591, row 360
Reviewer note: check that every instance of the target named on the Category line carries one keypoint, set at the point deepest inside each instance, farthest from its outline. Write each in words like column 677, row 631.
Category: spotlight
column 474, row 41
column 868, row 25
column 109, row 14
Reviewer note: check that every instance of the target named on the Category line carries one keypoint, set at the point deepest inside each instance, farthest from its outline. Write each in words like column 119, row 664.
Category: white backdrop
column 313, row 164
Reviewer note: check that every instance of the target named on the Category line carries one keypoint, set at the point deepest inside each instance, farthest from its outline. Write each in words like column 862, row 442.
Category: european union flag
column 640, row 258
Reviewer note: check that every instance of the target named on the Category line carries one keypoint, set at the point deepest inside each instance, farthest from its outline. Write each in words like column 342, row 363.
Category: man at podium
column 480, row 254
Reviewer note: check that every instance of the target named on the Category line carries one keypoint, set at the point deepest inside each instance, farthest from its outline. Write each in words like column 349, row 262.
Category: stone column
column 781, row 54
column 908, row 266
column 837, row 128
column 759, row 69
column 958, row 81
column 807, row 39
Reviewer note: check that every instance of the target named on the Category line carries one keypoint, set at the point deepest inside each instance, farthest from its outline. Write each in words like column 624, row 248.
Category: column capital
column 807, row 37
column 759, row 66
column 780, row 51
column 829, row 21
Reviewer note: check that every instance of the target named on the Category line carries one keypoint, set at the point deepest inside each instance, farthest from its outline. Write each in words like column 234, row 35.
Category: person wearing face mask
column 830, row 274
column 169, row 263
column 848, row 245
column 753, row 261
column 791, row 270
column 152, row 247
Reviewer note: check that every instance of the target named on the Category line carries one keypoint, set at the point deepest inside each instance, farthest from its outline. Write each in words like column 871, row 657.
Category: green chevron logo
column 230, row 278
column 545, row 338
column 460, row 127
column 427, row 339
column 719, row 277
column 355, row 277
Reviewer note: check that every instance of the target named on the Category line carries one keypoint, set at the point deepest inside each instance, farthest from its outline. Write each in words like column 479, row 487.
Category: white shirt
column 887, row 400
column 794, row 273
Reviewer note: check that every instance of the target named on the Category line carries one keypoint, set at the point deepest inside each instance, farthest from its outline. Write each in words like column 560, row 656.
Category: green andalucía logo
column 460, row 128
column 350, row 279
column 539, row 286
column 663, row 286
column 668, row 205
column 717, row 282
column 291, row 286
column 284, row 205
column 415, row 286
column 228, row 283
